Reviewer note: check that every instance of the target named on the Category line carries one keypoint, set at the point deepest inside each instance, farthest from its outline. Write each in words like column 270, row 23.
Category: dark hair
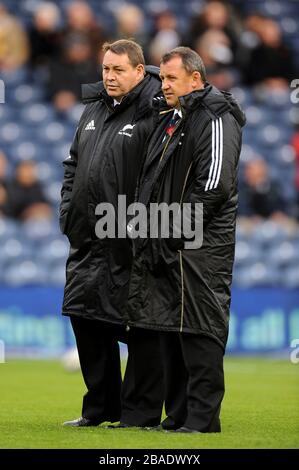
column 126, row 46
column 192, row 62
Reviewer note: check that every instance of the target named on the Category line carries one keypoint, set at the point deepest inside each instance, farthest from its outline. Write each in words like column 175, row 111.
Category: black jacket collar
column 215, row 102
column 146, row 90
column 128, row 99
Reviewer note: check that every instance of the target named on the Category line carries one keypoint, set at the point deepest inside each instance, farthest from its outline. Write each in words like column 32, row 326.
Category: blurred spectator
column 165, row 37
column 217, row 16
column 270, row 60
column 81, row 19
column 26, row 199
column 131, row 25
column 67, row 74
column 253, row 25
column 249, row 38
column 14, row 48
column 259, row 196
column 3, row 184
column 215, row 50
column 45, row 36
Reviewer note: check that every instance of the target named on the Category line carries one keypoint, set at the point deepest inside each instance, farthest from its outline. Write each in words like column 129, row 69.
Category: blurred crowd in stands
column 48, row 49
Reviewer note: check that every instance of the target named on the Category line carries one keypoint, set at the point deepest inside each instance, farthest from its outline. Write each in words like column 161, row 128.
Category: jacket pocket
column 118, row 264
column 64, row 211
column 63, row 219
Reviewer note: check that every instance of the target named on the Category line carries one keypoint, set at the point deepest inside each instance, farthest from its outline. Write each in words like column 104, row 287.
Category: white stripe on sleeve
column 213, row 158
column 220, row 152
column 217, row 154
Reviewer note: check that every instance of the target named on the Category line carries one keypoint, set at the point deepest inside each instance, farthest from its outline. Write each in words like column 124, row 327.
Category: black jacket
column 188, row 290
column 104, row 162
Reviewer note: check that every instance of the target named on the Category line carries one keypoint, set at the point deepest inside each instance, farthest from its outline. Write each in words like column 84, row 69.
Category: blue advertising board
column 263, row 320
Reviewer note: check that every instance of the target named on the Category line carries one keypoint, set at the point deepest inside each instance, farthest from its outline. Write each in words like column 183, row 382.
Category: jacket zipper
column 185, row 182
column 169, row 138
column 164, row 150
column 94, row 154
column 181, row 258
column 180, row 253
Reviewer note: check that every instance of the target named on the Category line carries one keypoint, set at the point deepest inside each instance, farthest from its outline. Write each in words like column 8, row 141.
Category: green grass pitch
column 260, row 410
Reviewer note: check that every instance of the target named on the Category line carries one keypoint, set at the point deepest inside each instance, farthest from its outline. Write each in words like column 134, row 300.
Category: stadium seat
column 243, row 95
column 54, row 251
column 49, row 172
column 12, row 132
column 53, row 132
column 283, row 156
column 268, row 232
column 7, row 113
column 274, row 8
column 61, row 152
column 26, row 272
column 8, row 228
column 249, row 137
column 291, row 116
column 283, row 254
column 246, row 253
column 272, row 98
column 256, row 116
column 290, row 277
column 24, row 94
column 14, row 248
column 273, row 135
column 257, row 274
column 36, row 230
column 74, row 114
column 37, row 114
column 13, row 78
column 57, row 275
column 53, row 191
column 25, row 150
column 289, row 26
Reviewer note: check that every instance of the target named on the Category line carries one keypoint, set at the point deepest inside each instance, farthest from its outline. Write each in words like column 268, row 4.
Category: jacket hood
column 92, row 92
column 219, row 102
column 215, row 102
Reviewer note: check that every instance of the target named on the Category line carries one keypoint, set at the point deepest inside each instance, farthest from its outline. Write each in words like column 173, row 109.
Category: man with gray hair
column 192, row 157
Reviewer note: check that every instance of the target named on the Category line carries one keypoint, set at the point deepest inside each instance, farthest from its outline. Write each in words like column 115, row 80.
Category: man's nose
column 110, row 76
column 165, row 86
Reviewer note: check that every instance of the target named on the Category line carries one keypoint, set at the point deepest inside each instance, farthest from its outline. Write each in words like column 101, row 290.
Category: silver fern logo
column 127, row 130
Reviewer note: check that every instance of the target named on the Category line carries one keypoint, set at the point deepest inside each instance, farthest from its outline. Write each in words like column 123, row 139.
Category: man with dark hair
column 192, row 158
column 190, row 60
column 123, row 46
column 104, row 163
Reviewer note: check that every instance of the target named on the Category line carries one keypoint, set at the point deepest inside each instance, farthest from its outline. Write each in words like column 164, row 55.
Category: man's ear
column 196, row 79
column 140, row 69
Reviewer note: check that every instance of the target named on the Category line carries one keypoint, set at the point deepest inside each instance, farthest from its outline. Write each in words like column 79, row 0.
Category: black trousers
column 139, row 399
column 194, row 381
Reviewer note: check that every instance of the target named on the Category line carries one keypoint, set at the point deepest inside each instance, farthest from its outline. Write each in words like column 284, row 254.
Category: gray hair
column 192, row 62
